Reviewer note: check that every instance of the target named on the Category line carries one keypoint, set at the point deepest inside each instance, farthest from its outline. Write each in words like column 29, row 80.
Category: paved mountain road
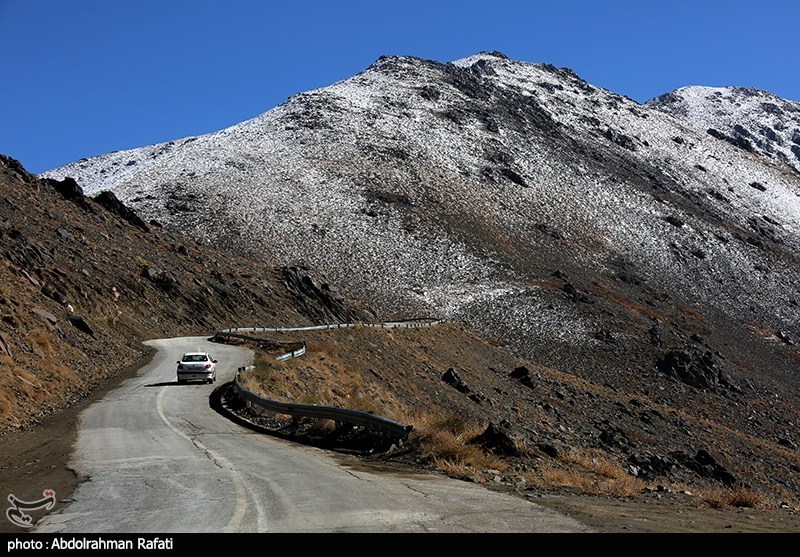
column 159, row 459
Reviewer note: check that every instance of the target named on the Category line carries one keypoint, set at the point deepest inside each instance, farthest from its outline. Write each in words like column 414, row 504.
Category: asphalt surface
column 157, row 458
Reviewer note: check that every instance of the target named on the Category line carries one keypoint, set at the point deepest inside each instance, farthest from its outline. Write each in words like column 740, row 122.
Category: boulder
column 452, row 378
column 522, row 374
column 694, row 367
column 80, row 323
column 497, row 440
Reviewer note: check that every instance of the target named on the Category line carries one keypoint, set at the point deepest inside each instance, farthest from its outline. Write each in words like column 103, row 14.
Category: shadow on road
column 166, row 384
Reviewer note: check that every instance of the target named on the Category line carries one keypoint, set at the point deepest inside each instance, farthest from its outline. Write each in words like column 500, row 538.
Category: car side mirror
column 178, row 362
column 215, row 361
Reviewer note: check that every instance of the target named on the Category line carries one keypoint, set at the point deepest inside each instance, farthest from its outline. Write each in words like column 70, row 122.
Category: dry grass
column 62, row 373
column 589, row 472
column 41, row 342
column 735, row 498
column 443, row 441
column 694, row 315
column 267, row 378
column 457, row 470
column 634, row 308
column 12, row 319
column 319, row 377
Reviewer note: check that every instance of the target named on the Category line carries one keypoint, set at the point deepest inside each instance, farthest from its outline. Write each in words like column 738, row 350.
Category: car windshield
column 195, row 358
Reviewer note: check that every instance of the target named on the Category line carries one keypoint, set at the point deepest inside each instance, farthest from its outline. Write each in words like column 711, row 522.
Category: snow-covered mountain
column 754, row 120
column 553, row 215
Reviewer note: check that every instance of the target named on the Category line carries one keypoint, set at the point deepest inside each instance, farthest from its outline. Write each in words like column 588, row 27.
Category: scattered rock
column 80, row 323
column 604, row 335
column 576, row 295
column 514, row 177
column 498, row 441
column 319, row 304
column 785, row 337
column 674, row 221
column 108, row 200
column 614, row 436
column 480, row 398
column 452, row 378
column 5, row 348
column 693, row 367
column 706, row 466
column 650, row 466
column 620, row 139
column 738, row 141
column 429, row 93
column 161, row 279
column 522, row 374
column 46, row 315
column 787, row 442
column 55, row 295
column 69, row 190
column 553, row 450
column 29, row 278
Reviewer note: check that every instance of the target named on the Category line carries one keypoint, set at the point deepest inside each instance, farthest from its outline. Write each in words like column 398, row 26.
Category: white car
column 197, row 366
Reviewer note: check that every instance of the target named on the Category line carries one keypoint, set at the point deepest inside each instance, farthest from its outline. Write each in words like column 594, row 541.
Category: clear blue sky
column 80, row 78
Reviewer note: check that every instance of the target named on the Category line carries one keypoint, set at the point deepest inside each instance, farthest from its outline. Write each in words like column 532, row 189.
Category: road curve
column 158, row 459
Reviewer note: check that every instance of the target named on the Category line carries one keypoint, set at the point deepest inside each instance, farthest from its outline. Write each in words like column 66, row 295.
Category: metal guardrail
column 293, row 354
column 335, row 413
column 401, row 324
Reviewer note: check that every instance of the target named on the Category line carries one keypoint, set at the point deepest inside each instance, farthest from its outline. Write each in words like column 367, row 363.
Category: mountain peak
column 753, row 119
column 481, row 57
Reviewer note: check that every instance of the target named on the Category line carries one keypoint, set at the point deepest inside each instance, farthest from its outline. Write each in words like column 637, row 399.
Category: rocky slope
column 83, row 281
column 591, row 235
column 754, row 120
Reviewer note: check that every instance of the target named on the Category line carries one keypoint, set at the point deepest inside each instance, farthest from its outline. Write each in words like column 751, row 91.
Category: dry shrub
column 40, row 342
column 267, row 378
column 589, row 472
column 738, row 497
column 5, row 406
column 63, row 373
column 326, row 352
column 321, row 427
column 455, row 424
column 456, row 470
column 597, row 463
column 589, row 483
column 12, row 319
column 444, row 442
column 363, row 404
column 307, row 397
